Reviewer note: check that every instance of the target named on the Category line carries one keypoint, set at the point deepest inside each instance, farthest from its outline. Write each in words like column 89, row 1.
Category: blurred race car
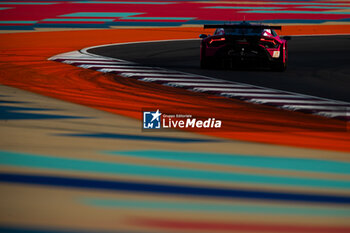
column 234, row 44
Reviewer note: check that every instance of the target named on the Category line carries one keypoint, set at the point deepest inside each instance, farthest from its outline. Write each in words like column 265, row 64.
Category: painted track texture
column 48, row 15
column 92, row 171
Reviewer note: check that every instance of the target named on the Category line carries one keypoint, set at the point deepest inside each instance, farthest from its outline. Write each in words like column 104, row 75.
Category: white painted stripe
column 231, row 89
column 293, row 101
column 152, row 74
column 203, row 84
column 180, row 80
column 94, row 62
column 89, row 59
column 312, row 107
column 116, row 66
column 134, row 70
column 78, row 55
column 109, row 66
column 335, row 114
column 92, row 59
column 262, row 95
column 82, row 57
column 75, row 55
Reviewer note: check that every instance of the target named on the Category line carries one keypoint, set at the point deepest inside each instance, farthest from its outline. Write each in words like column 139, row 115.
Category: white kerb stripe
column 203, row 84
column 115, row 66
column 92, row 59
column 78, row 55
column 153, row 75
column 87, row 66
column 133, row 70
column 83, row 57
column 94, row 62
column 230, row 89
column 335, row 114
column 294, row 101
column 180, row 80
column 312, row 107
column 261, row 95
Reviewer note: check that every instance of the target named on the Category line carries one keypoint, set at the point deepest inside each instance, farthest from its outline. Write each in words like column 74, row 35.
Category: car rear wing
column 234, row 26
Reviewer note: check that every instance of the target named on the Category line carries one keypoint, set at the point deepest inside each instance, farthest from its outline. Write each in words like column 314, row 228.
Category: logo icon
column 151, row 120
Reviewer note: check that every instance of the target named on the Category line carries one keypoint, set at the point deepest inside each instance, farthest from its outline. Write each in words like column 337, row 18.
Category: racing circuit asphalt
column 318, row 65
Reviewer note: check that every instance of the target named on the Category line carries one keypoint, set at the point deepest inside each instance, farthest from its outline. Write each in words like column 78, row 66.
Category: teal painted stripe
column 242, row 7
column 79, row 20
column 66, row 164
column 5, row 8
column 158, row 18
column 101, row 14
column 27, row 3
column 278, row 163
column 18, row 22
column 298, row 12
column 304, row 3
column 126, row 3
column 325, row 7
column 217, row 207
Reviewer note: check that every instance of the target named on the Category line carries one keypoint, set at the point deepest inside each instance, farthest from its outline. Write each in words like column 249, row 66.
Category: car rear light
column 219, row 39
column 268, row 40
column 217, row 42
column 268, row 43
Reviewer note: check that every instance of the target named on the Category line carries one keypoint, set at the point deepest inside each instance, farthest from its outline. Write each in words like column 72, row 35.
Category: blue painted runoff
column 250, row 161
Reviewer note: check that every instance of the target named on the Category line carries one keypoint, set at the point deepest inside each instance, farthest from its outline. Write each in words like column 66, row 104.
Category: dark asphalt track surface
column 318, row 66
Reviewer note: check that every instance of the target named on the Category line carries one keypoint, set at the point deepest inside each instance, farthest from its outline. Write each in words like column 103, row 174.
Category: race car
column 234, row 44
